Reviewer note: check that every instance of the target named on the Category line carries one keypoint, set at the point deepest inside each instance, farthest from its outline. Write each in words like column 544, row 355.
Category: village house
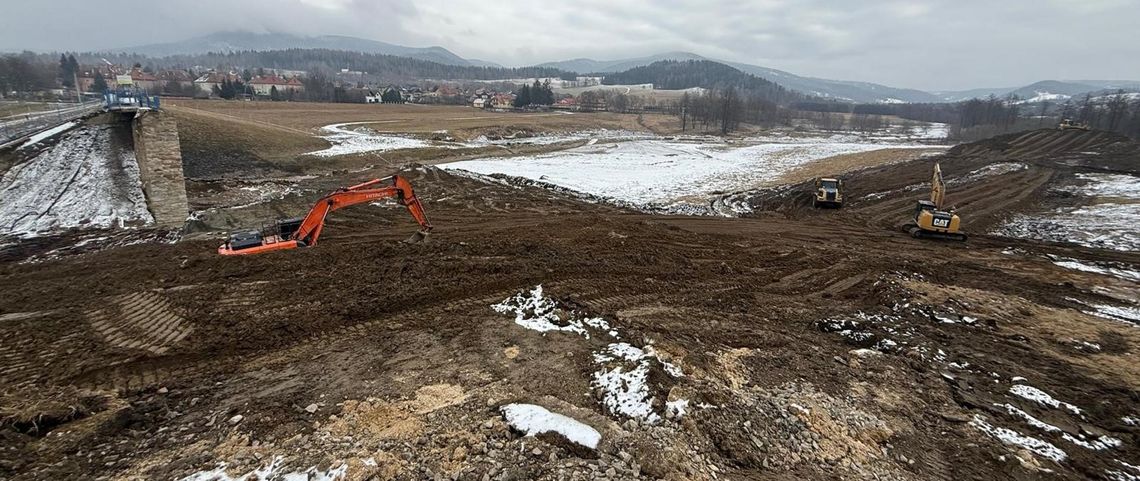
column 86, row 77
column 145, row 81
column 503, row 101
column 265, row 84
column 208, row 81
column 568, row 103
column 479, row 103
column 176, row 79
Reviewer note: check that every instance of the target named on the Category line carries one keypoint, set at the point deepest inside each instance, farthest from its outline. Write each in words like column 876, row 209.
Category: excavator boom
column 937, row 188
column 306, row 231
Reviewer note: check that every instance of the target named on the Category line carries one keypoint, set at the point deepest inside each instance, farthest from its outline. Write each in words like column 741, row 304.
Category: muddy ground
column 161, row 360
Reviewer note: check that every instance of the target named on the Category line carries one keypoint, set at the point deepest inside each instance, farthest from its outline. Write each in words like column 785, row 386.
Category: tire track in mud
column 139, row 373
column 144, row 320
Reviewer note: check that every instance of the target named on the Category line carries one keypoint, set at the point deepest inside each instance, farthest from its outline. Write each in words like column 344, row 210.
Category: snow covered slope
column 89, row 179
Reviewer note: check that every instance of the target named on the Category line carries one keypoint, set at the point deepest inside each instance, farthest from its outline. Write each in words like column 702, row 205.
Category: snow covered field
column 346, row 139
column 86, row 180
column 355, row 138
column 1110, row 221
column 662, row 171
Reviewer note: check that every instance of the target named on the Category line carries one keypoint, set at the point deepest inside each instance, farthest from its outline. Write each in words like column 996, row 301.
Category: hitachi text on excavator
column 304, row 231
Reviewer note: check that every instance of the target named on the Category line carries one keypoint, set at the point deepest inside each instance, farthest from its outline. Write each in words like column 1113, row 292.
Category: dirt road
column 792, row 344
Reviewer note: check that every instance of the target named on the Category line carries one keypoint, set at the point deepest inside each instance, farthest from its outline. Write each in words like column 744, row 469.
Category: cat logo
column 941, row 222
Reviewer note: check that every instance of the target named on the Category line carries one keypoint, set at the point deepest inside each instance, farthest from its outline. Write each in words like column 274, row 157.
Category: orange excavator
column 304, row 231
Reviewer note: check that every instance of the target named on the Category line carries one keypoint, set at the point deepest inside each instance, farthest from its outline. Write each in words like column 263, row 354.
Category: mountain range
column 226, row 42
column 842, row 90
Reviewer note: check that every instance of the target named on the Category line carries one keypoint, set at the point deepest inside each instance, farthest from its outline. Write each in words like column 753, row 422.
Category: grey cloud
column 930, row 44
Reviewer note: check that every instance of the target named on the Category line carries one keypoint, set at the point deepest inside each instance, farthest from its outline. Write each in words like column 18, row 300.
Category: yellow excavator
column 1068, row 124
column 930, row 220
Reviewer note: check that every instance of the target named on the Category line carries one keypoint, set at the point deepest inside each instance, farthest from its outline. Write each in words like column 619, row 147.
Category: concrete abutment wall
column 160, row 165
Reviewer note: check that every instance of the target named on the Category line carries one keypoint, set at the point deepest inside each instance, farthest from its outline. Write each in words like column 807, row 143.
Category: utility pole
column 75, row 82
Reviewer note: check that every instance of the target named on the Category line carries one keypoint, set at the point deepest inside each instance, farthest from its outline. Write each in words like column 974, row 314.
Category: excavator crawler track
column 919, row 233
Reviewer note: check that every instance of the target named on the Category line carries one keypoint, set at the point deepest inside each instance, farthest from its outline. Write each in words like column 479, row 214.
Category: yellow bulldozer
column 930, row 220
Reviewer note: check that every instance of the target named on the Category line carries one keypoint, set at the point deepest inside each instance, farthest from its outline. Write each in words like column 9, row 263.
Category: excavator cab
column 287, row 227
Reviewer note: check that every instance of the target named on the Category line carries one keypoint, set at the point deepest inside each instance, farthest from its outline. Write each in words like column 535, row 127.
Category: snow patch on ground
column 665, row 171
column 1009, row 436
column 347, row 140
column 622, row 378
column 1101, row 443
column 625, row 391
column 1112, row 221
column 1130, row 314
column 533, row 420
column 1126, row 274
column 83, row 181
column 676, row 409
column 47, row 134
column 1041, row 397
column 593, row 136
column 271, row 472
column 534, row 311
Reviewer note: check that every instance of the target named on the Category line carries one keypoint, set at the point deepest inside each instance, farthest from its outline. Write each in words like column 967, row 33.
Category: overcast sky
column 926, row 44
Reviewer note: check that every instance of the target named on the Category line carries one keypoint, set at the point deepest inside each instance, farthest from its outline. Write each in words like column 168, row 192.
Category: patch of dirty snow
column 999, row 168
column 676, row 409
column 672, row 369
column 1130, row 314
column 537, row 312
column 1011, row 437
column 1107, row 185
column 1099, row 444
column 1111, row 219
column 620, row 350
column 592, row 136
column 346, row 139
column 40, row 137
column 1131, row 420
column 661, row 172
column 1126, row 274
column 626, row 391
column 270, row 472
column 533, row 420
column 87, row 180
column 1041, row 397
column 621, row 380
column 1115, row 475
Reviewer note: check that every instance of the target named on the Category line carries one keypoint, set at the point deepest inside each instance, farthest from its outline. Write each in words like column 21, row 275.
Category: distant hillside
column 586, row 65
column 1056, row 91
column 227, row 42
column 860, row 92
column 677, row 75
column 389, row 68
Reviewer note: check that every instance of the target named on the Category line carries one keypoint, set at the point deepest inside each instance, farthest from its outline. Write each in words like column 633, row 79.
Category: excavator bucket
column 418, row 237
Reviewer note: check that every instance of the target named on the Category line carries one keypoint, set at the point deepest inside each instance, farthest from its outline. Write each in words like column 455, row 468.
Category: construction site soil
column 791, row 343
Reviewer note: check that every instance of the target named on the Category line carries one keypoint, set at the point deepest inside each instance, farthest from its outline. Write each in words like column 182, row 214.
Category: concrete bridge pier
column 160, row 166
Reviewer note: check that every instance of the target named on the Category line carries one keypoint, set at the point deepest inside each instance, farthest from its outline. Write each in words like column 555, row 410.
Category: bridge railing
column 28, row 124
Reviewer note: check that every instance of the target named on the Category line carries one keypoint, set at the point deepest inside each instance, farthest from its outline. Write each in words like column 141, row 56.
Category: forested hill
column 390, row 67
column 675, row 75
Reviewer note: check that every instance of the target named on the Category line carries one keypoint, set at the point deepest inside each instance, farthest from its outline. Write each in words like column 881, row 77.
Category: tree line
column 724, row 110
column 388, row 68
column 537, row 94
column 687, row 74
